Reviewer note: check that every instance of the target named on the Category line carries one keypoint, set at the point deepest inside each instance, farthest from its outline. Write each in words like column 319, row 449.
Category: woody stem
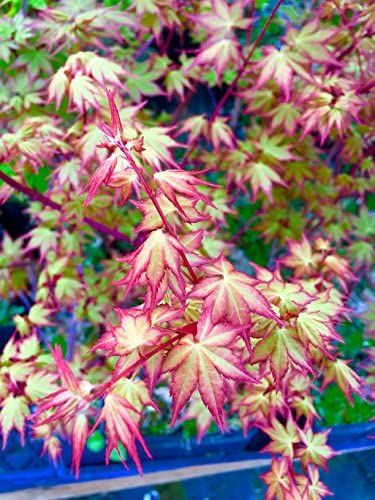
column 151, row 195
column 35, row 196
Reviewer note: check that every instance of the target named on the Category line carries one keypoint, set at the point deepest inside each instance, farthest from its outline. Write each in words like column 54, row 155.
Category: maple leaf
column 196, row 126
column 39, row 384
column 42, row 238
column 282, row 349
column 270, row 147
column 263, row 177
column 38, row 315
column 325, row 111
column 312, row 42
column 301, row 257
column 134, row 333
column 176, row 82
column 283, row 438
column 13, row 415
column 58, row 87
column 183, row 182
column 198, row 412
column 79, row 433
column 103, row 70
column 136, row 393
column 280, row 65
column 151, row 217
column 346, row 378
column 285, row 116
column 221, row 133
column 83, row 93
column 143, row 82
column 314, row 326
column 315, row 449
column 222, row 19
column 121, row 428
column 315, row 488
column 157, row 145
column 218, row 53
column 205, row 362
column 279, row 481
column 115, row 171
column 230, row 294
column 70, row 399
column 159, row 261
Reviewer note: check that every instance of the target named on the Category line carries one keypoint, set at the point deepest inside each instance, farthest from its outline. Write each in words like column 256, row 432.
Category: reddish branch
column 35, row 196
column 246, row 61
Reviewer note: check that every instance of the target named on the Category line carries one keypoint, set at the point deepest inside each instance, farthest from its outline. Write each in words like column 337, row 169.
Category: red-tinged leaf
column 326, row 111
column 134, row 333
column 196, row 126
column 316, row 489
column 198, row 412
column 52, row 446
column 183, row 182
column 312, row 42
column 115, row 125
column 315, row 449
column 283, row 438
column 13, row 415
column 121, row 428
column 282, row 349
column 174, row 215
column 218, row 53
column 67, row 376
column 348, row 381
column 39, row 384
column 58, row 87
column 204, row 362
column 263, row 177
column 115, row 172
column 223, row 18
column 67, row 401
column 279, row 481
column 280, row 65
column 38, row 315
column 230, row 294
column 158, row 146
column 137, row 394
column 104, row 71
column 221, row 133
column 79, row 434
column 83, row 93
column 158, row 256
column 301, row 257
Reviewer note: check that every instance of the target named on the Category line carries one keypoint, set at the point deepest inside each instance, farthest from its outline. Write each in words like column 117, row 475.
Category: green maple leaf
column 143, row 81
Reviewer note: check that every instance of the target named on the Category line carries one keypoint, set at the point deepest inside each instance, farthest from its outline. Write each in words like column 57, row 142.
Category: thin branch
column 246, row 61
column 35, row 196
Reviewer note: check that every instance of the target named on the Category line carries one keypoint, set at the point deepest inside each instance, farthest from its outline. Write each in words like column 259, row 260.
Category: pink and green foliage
column 139, row 206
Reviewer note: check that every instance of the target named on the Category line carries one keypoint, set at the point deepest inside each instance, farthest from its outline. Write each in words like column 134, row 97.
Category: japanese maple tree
column 198, row 183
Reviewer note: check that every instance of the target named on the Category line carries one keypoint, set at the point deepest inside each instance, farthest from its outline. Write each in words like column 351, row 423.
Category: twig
column 246, row 61
column 35, row 196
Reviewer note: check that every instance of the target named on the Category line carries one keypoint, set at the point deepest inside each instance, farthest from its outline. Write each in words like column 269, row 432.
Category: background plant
column 157, row 147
